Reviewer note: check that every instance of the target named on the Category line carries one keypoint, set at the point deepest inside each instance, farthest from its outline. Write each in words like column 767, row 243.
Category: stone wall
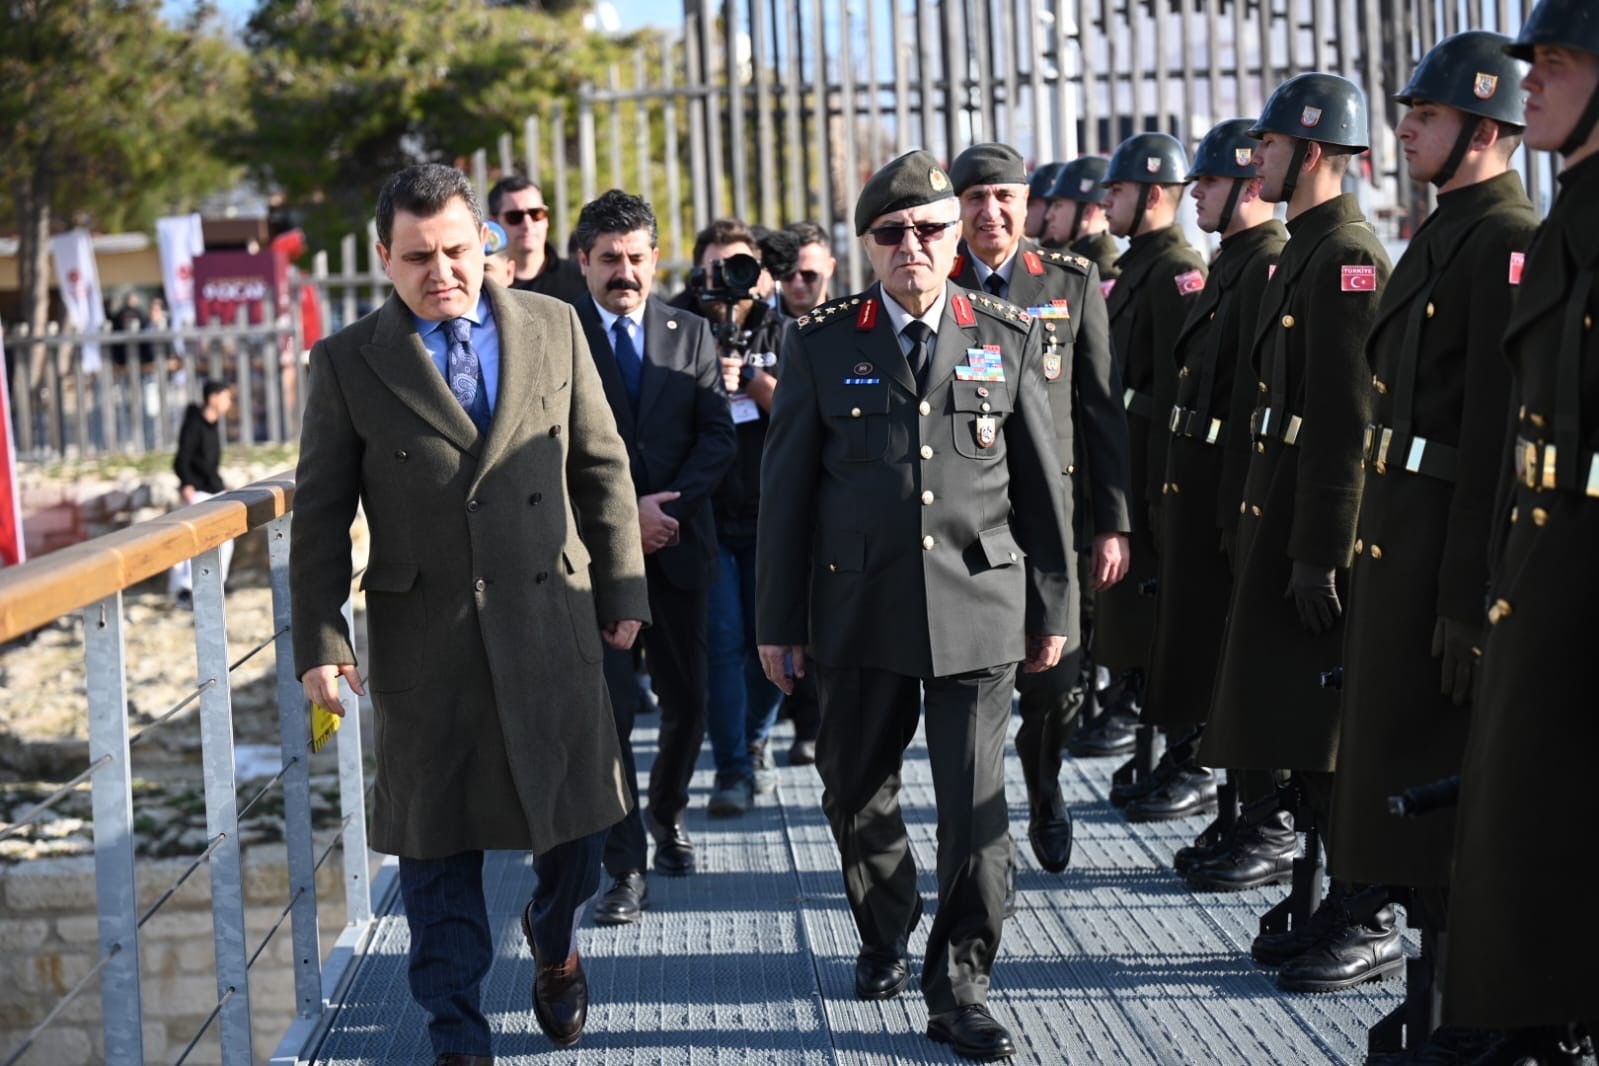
column 49, row 939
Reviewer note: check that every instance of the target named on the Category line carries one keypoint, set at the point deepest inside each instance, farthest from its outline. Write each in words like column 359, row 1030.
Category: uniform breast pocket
column 859, row 413
column 978, row 410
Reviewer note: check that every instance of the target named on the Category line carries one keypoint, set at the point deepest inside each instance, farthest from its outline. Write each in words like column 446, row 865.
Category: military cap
column 912, row 180
column 1317, row 107
column 496, row 240
column 1080, row 180
column 1043, row 179
column 987, row 164
column 1570, row 24
column 1471, row 72
column 1148, row 159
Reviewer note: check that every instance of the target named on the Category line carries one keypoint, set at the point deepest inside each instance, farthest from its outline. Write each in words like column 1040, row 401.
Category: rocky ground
column 43, row 718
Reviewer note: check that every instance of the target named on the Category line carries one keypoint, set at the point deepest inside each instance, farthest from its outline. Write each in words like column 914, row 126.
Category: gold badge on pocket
column 987, row 429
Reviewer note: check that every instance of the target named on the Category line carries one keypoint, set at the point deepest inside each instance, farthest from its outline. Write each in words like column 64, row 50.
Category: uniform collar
column 899, row 318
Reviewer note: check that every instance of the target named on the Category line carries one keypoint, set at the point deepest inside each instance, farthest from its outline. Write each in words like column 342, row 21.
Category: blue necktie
column 628, row 361
column 465, row 373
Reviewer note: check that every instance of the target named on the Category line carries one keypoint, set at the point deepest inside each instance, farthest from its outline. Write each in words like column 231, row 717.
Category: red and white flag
column 12, row 550
column 180, row 239
column 1359, row 279
column 1192, row 281
column 79, row 281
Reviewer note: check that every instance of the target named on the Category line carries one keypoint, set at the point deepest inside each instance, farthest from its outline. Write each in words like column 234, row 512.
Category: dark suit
column 894, row 526
column 679, row 439
column 496, row 557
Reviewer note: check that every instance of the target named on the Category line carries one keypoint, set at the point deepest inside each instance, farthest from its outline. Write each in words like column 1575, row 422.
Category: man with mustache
column 663, row 381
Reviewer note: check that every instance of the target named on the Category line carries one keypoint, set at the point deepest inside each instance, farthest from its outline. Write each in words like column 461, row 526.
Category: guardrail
column 89, row 580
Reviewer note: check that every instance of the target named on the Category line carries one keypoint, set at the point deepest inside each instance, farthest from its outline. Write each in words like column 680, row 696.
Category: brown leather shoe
column 560, row 992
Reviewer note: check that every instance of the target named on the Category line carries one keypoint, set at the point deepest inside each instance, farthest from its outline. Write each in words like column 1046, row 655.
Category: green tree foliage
column 110, row 115
column 347, row 91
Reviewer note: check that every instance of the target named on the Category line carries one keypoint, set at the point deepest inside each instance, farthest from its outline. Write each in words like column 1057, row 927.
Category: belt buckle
column 1527, row 461
column 1215, row 431
column 1366, row 442
column 1418, row 449
column 1176, row 417
column 1550, row 456
column 1265, row 422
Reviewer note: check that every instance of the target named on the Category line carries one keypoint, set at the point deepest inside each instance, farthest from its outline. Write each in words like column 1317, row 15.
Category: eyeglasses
column 890, row 236
column 514, row 216
column 809, row 277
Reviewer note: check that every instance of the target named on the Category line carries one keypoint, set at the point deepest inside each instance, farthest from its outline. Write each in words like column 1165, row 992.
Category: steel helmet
column 1227, row 151
column 1148, row 159
column 1080, row 180
column 1317, row 107
column 1471, row 72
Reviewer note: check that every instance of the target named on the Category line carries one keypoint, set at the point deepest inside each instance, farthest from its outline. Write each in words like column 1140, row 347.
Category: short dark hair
column 807, row 232
column 423, row 190
column 614, row 211
column 211, row 386
column 509, row 184
column 722, row 231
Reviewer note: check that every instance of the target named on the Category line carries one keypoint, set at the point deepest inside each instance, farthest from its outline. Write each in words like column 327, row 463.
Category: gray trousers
column 868, row 719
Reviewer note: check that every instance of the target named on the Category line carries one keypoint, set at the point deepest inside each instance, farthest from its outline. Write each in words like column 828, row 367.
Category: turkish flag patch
column 1105, row 287
column 1191, row 282
column 1517, row 261
column 1358, row 279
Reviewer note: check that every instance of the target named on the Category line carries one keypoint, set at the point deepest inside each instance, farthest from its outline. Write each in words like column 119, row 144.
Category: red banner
column 12, row 551
column 227, row 281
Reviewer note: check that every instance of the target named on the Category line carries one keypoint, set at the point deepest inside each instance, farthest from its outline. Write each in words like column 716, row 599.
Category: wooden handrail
column 42, row 590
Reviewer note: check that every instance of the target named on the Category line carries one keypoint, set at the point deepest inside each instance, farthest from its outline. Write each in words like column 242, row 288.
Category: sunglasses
column 514, row 216
column 927, row 232
column 809, row 277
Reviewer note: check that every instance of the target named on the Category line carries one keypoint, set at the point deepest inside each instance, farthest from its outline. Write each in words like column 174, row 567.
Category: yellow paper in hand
column 323, row 725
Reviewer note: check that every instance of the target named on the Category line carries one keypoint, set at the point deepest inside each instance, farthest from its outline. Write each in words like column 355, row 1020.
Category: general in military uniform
column 913, row 547
column 1161, row 277
column 1433, row 457
column 1061, row 291
column 1524, row 931
column 1208, row 425
column 1296, row 529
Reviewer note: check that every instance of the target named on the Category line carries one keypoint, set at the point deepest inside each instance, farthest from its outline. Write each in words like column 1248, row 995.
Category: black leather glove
column 1315, row 595
column 1455, row 644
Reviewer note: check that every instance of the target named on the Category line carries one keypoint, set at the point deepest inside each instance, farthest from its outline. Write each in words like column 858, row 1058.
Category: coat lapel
column 660, row 341
column 398, row 357
column 522, row 372
column 880, row 346
column 949, row 347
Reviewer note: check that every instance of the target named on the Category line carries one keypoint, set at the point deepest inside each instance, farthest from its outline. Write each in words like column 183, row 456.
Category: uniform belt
column 1263, row 423
column 1422, row 456
column 1188, row 423
column 1139, row 403
column 1535, row 468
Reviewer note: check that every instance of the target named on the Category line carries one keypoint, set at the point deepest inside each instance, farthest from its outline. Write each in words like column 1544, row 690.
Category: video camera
column 727, row 280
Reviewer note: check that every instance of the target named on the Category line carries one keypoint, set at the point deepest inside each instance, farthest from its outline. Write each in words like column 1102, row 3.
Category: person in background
column 498, row 266
column 517, row 204
column 198, row 466
column 806, row 287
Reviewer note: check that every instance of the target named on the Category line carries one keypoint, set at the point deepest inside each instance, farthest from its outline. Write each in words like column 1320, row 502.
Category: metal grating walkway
column 751, row 960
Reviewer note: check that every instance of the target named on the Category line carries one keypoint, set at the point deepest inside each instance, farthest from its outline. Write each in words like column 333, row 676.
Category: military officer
column 1162, row 276
column 1296, row 531
column 910, row 470
column 1061, row 291
column 1433, row 456
column 1209, row 433
column 1524, row 932
column 1076, row 218
column 1038, row 184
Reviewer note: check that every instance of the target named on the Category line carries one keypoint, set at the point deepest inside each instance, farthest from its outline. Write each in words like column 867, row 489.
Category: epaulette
column 1003, row 310
column 1067, row 261
column 832, row 311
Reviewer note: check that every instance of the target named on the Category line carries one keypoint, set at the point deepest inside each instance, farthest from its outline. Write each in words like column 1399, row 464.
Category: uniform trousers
column 869, row 716
column 452, row 945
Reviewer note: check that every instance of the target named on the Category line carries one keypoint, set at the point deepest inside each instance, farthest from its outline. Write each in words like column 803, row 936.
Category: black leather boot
column 1190, row 792
column 1260, row 854
column 1351, row 954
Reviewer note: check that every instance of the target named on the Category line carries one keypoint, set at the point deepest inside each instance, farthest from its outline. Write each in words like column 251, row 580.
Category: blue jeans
column 742, row 703
column 452, row 946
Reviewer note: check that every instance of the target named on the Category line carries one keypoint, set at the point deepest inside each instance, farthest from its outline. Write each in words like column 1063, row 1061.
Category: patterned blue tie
column 628, row 361
column 466, row 374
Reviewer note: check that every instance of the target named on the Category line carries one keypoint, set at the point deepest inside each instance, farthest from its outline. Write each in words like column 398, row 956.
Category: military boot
column 1274, row 949
column 1197, row 853
column 1352, row 954
column 1548, row 1046
column 1192, row 791
column 1114, row 732
column 1262, row 853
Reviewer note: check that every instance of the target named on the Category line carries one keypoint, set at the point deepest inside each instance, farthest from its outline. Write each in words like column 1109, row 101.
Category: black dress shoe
column 560, row 992
column 624, row 902
column 1354, row 953
column 1258, row 855
column 674, row 851
column 882, row 973
column 1113, row 734
column 1190, row 792
column 973, row 1033
column 1049, row 831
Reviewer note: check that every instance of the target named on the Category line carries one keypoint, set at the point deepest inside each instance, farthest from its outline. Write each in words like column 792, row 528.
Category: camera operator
column 742, row 702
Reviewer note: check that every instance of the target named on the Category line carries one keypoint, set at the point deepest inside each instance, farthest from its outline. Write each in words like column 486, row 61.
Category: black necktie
column 995, row 284
column 919, row 356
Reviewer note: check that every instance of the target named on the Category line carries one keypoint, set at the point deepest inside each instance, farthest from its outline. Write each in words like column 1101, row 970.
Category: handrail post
column 294, row 730
column 352, row 802
column 116, row 895
column 221, row 810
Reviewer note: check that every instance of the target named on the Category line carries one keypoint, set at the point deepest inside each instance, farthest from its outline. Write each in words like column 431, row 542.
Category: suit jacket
column 681, row 437
column 1083, row 381
column 495, row 558
column 894, row 523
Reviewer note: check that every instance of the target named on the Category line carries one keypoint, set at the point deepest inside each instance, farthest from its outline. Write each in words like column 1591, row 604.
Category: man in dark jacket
column 517, row 204
column 197, row 465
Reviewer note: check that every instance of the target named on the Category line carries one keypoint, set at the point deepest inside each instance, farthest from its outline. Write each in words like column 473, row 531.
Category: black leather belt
column 1422, row 456
column 1139, row 403
column 1536, row 468
column 1187, row 422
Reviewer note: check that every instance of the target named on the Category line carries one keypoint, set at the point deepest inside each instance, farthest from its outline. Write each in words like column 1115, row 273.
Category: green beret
column 987, row 164
column 912, row 180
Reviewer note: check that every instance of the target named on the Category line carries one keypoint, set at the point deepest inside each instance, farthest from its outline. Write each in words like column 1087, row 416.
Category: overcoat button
column 555, row 431
column 927, row 451
column 479, row 585
column 536, row 499
column 927, row 543
column 401, row 456
column 925, row 408
column 472, row 505
column 541, row 577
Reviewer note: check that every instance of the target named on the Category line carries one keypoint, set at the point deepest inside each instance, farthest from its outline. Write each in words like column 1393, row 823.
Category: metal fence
column 88, row 581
